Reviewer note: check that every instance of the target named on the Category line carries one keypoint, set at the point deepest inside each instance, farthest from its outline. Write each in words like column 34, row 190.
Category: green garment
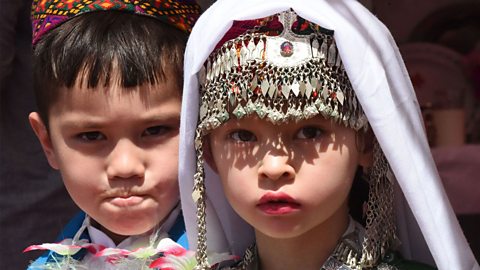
column 395, row 259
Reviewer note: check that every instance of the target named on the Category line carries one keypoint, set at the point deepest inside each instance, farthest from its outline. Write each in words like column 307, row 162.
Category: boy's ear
column 365, row 147
column 44, row 137
column 207, row 154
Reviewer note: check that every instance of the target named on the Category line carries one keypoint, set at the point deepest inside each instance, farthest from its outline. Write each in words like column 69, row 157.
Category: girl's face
column 287, row 179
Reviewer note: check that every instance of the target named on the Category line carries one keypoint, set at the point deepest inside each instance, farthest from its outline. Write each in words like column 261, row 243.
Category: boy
column 284, row 111
column 107, row 77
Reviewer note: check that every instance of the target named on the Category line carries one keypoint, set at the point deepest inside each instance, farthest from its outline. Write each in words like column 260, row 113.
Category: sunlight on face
column 286, row 179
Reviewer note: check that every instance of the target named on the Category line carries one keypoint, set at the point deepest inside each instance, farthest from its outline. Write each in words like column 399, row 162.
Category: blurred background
column 440, row 43
column 34, row 205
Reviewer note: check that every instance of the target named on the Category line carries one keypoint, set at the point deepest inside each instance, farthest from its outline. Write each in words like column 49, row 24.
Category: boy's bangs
column 95, row 50
column 93, row 42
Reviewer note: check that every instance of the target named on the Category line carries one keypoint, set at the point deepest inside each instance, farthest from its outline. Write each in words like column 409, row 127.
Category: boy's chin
column 120, row 230
column 129, row 221
column 129, row 232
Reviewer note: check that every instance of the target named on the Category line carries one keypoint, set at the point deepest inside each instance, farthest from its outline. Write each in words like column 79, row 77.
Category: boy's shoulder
column 69, row 231
column 177, row 233
column 393, row 260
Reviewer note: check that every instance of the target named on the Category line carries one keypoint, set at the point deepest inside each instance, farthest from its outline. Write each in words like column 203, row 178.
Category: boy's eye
column 309, row 133
column 156, row 130
column 91, row 136
column 243, row 136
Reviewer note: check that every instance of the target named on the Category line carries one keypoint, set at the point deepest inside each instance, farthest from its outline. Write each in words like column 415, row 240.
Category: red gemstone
column 286, row 49
column 333, row 95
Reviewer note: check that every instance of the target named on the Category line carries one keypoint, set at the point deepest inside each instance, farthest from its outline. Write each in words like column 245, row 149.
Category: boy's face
column 117, row 151
column 286, row 179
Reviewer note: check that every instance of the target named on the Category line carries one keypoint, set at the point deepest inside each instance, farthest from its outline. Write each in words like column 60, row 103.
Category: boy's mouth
column 277, row 203
column 127, row 201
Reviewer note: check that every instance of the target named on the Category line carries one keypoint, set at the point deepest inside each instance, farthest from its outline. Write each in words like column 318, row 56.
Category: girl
column 298, row 106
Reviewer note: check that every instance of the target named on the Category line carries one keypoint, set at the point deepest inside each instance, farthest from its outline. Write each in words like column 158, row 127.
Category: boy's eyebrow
column 93, row 122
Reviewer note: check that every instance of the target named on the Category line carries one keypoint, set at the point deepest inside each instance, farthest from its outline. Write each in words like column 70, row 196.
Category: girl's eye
column 91, row 136
column 156, row 131
column 243, row 136
column 309, row 133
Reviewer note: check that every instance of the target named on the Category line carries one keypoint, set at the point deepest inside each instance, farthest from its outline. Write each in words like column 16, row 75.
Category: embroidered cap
column 48, row 14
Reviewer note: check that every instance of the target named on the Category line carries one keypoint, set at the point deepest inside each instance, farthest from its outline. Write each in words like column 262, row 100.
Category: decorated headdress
column 48, row 14
column 285, row 67
column 279, row 74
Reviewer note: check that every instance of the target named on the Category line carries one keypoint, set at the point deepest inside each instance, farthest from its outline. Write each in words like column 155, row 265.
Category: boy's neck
column 116, row 238
column 308, row 251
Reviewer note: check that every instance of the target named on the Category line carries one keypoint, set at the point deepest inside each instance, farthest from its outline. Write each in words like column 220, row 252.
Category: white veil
column 426, row 223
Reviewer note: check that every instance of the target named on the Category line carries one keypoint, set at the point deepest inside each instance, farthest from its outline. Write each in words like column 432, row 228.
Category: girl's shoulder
column 393, row 260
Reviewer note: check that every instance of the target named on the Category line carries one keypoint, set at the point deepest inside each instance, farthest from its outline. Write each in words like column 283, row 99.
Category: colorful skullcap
column 48, row 14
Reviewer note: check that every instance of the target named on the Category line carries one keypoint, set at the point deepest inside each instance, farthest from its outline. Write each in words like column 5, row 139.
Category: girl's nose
column 276, row 167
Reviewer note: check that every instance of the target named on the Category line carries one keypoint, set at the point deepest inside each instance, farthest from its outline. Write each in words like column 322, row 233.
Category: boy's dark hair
column 94, row 47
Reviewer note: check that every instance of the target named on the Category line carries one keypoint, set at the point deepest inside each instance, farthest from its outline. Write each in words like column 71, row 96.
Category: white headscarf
column 382, row 86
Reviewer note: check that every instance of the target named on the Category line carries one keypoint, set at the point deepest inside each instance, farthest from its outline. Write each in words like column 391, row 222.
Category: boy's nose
column 276, row 167
column 125, row 161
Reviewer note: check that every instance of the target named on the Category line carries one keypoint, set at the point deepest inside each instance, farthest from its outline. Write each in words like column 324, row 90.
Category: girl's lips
column 126, row 201
column 278, row 208
column 277, row 203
